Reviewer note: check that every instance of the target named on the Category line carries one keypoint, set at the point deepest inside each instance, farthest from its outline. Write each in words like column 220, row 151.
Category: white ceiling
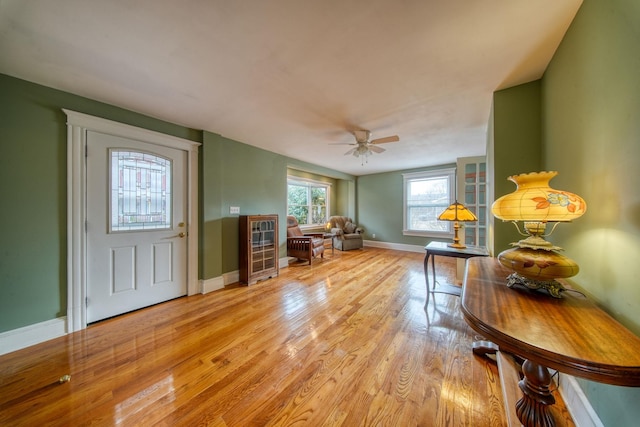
column 293, row 76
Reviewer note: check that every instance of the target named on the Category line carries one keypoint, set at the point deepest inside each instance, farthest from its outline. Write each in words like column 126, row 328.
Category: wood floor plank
column 346, row 341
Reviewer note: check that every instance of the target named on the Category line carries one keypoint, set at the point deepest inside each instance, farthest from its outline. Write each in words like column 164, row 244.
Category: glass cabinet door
column 258, row 259
column 472, row 185
column 262, row 245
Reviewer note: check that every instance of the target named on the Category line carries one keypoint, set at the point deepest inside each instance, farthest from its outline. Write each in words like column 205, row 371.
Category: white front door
column 136, row 216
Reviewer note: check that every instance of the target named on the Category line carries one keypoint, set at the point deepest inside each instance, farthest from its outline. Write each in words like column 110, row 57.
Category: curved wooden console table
column 570, row 334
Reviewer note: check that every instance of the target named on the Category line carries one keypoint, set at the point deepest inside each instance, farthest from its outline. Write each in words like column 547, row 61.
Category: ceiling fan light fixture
column 363, row 152
column 365, row 146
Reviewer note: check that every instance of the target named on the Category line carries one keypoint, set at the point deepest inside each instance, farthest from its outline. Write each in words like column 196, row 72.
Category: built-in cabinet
column 258, row 247
column 472, row 185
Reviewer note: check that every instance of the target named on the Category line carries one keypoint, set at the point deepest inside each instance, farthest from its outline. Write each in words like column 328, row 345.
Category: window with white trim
column 308, row 201
column 426, row 195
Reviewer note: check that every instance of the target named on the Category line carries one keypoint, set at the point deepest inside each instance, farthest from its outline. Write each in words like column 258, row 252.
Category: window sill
column 435, row 234
column 312, row 228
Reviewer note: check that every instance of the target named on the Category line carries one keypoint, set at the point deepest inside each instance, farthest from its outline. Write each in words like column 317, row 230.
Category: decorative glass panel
column 470, row 173
column 474, row 187
column 140, row 191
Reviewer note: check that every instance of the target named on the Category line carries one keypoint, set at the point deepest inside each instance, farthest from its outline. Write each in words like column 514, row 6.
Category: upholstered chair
column 301, row 245
column 347, row 235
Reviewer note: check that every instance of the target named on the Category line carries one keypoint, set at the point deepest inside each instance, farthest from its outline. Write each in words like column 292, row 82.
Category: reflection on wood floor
column 344, row 342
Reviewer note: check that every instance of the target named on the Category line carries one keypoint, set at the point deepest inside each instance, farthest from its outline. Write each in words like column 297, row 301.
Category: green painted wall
column 516, row 146
column 33, row 168
column 240, row 175
column 380, row 207
column 591, row 134
column 255, row 180
column 211, row 206
column 346, row 199
column 33, row 192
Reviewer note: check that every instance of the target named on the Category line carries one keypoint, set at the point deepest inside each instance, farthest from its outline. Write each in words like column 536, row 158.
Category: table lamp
column 536, row 262
column 457, row 212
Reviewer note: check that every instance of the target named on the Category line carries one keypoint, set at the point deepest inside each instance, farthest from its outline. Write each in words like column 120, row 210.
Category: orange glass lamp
column 457, row 213
column 536, row 262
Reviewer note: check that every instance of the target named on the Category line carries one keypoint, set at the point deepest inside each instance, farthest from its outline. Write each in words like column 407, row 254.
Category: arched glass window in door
column 140, row 194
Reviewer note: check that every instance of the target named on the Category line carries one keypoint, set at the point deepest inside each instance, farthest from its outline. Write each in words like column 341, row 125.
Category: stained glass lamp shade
column 457, row 213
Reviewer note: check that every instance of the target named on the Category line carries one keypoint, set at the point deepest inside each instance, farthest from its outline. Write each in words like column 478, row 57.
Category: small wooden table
column 569, row 334
column 442, row 249
column 330, row 236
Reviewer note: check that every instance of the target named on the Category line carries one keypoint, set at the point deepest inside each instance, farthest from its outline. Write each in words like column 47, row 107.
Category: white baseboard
column 216, row 283
column 26, row 336
column 577, row 403
column 283, row 262
column 231, row 277
column 395, row 246
column 213, row 284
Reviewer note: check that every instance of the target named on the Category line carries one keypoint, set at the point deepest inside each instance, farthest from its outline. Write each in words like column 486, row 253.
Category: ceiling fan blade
column 342, row 143
column 394, row 138
column 376, row 149
column 353, row 151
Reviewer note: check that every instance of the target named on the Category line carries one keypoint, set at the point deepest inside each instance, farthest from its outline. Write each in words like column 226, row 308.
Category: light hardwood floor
column 343, row 342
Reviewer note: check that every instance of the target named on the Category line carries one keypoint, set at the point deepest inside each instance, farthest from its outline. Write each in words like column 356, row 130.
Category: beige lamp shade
column 534, row 200
column 457, row 212
column 534, row 261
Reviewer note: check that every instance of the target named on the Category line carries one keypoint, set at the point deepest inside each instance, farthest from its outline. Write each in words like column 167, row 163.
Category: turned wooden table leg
column 533, row 407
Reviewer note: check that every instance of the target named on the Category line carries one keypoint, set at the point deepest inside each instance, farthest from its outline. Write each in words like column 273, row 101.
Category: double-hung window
column 308, row 201
column 426, row 195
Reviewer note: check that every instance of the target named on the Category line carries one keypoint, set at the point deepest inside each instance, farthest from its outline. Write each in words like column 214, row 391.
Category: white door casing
column 78, row 127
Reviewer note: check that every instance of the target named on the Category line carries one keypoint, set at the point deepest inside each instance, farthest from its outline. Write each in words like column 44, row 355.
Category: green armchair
column 347, row 235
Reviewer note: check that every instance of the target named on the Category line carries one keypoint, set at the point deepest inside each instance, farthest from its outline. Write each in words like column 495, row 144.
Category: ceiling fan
column 366, row 146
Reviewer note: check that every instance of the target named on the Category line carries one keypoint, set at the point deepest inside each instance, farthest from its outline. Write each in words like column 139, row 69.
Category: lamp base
column 456, row 245
column 456, row 240
column 553, row 287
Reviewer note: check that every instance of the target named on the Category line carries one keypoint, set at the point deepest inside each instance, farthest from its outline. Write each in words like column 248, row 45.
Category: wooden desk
column 442, row 249
column 570, row 334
